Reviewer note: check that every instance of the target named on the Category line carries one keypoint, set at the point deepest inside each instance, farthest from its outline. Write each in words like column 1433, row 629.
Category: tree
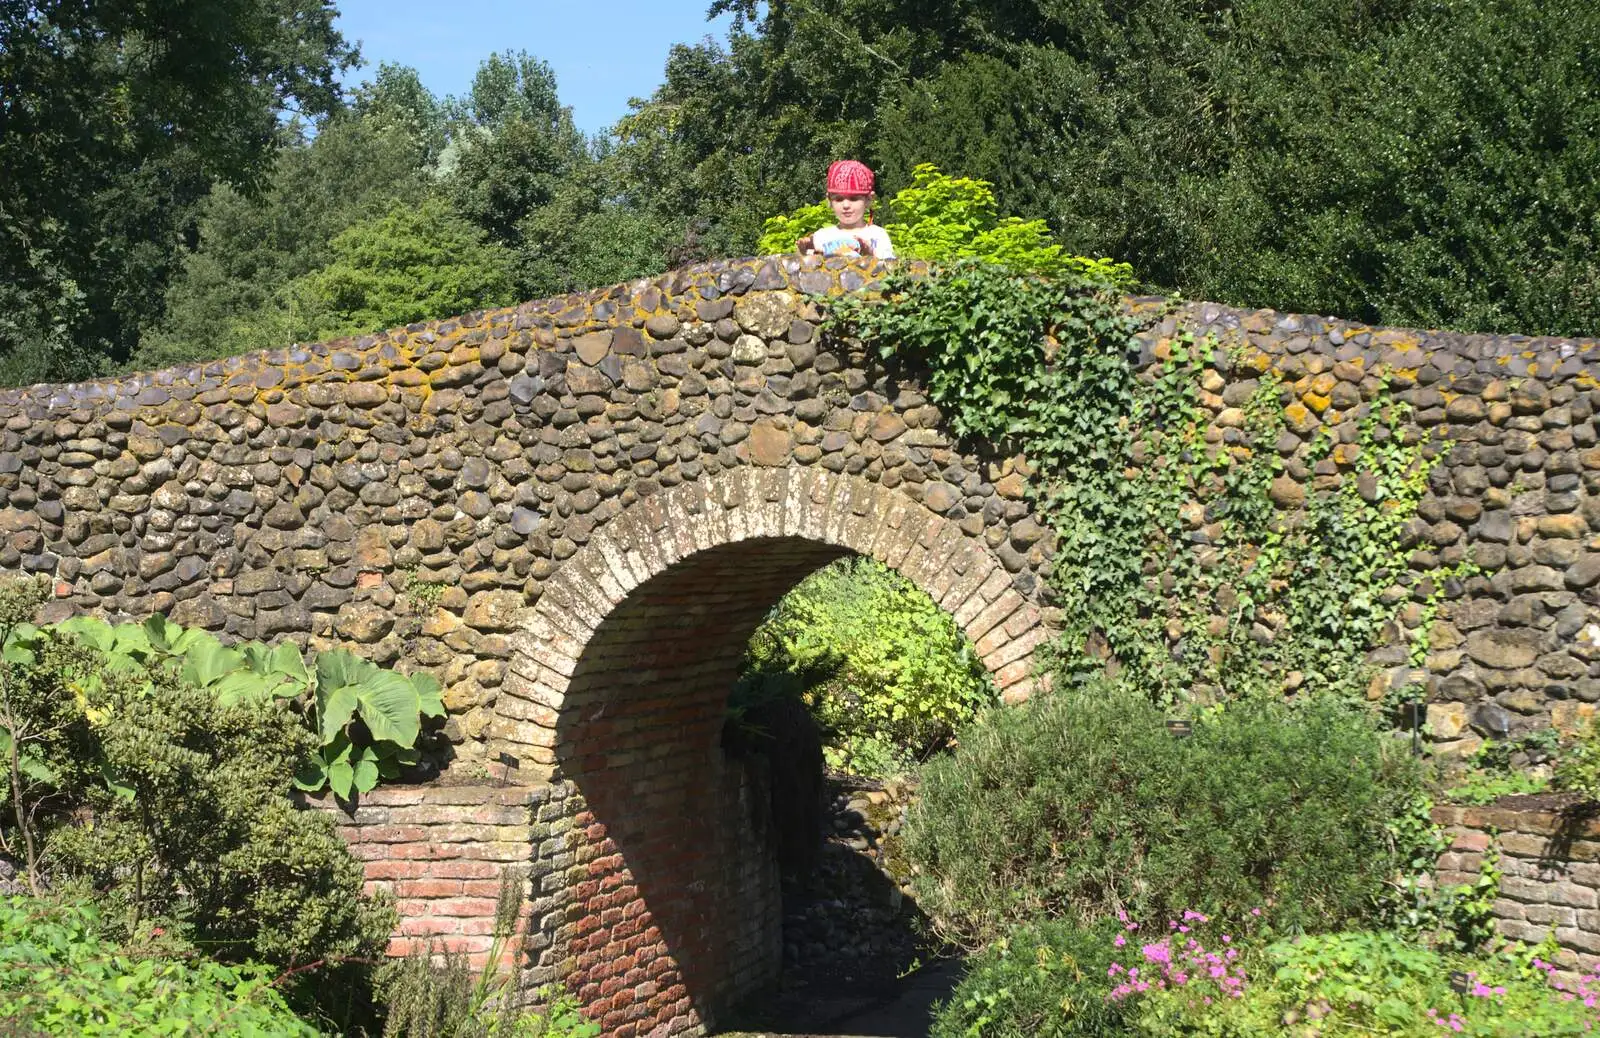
column 115, row 118
column 411, row 264
column 230, row 294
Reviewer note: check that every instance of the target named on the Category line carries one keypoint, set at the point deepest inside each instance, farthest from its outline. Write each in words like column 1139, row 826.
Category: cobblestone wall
column 1550, row 865
column 1518, row 645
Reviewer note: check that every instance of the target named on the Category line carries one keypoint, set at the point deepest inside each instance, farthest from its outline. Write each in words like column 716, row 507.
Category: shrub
column 1370, row 983
column 166, row 804
column 1080, row 804
column 884, row 669
column 1043, row 980
column 1577, row 767
column 940, row 218
column 58, row 977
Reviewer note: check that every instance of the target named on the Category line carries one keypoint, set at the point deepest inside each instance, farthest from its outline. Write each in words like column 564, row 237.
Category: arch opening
column 664, row 908
column 680, row 901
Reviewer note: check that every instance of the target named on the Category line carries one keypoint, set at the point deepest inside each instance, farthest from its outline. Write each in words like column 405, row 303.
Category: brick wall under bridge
column 574, row 511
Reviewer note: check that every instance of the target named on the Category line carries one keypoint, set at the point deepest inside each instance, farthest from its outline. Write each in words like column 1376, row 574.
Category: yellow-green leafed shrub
column 57, row 977
column 886, row 671
column 940, row 218
column 780, row 233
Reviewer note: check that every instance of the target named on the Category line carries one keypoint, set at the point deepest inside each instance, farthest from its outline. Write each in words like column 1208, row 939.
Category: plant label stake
column 511, row 764
column 1179, row 729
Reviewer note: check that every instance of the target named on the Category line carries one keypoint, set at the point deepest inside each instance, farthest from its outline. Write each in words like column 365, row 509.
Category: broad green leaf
column 34, row 767
column 132, row 640
column 286, row 660
column 341, row 777
column 336, row 707
column 114, row 784
column 89, row 630
column 241, row 686
column 390, row 707
column 207, row 661
column 337, row 668
column 162, row 633
column 366, row 775
column 429, row 695
column 311, row 775
column 21, row 644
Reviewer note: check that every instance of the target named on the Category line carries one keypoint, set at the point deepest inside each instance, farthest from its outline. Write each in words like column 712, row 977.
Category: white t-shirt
column 831, row 241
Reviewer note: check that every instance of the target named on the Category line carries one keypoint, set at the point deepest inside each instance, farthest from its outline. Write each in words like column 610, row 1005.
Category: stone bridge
column 576, row 511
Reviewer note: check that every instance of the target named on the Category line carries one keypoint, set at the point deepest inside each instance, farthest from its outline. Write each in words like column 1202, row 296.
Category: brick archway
column 620, row 682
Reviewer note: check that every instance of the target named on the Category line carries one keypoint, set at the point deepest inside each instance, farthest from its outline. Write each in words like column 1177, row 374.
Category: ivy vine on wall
column 1186, row 565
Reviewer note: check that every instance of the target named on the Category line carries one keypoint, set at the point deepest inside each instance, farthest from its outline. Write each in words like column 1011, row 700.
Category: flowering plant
column 1352, row 984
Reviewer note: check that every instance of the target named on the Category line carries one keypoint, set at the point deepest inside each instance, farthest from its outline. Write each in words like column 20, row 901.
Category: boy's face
column 849, row 210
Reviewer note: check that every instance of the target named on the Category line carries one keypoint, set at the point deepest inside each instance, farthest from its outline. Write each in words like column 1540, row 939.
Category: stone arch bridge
column 575, row 512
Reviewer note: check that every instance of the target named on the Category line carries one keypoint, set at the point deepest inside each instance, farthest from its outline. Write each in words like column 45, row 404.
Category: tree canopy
column 177, row 180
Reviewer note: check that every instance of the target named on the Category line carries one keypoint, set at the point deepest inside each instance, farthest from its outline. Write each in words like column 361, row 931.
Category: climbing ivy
column 1175, row 567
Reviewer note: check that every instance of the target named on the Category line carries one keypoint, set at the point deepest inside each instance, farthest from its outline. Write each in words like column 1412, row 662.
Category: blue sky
column 603, row 53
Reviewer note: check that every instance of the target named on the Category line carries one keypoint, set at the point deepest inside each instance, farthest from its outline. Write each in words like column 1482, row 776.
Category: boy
column 849, row 193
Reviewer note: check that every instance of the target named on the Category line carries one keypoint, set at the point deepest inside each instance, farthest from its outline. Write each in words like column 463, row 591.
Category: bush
column 1363, row 984
column 1044, row 980
column 941, row 218
column 166, row 805
column 884, row 670
column 1080, row 804
column 58, row 977
column 1577, row 764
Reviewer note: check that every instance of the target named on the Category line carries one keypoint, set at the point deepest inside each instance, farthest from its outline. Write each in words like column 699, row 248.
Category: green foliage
column 233, row 293
column 366, row 719
column 57, row 977
column 442, row 999
column 1159, row 532
column 1177, row 137
column 1485, row 787
column 150, row 771
column 883, row 668
column 1365, row 984
column 941, row 218
column 1052, row 979
column 1077, row 805
column 1042, row 980
column 1414, row 906
column 1577, row 767
column 779, row 233
column 119, row 118
column 412, row 264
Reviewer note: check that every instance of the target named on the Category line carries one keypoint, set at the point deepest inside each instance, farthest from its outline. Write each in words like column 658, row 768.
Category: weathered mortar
column 575, row 511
